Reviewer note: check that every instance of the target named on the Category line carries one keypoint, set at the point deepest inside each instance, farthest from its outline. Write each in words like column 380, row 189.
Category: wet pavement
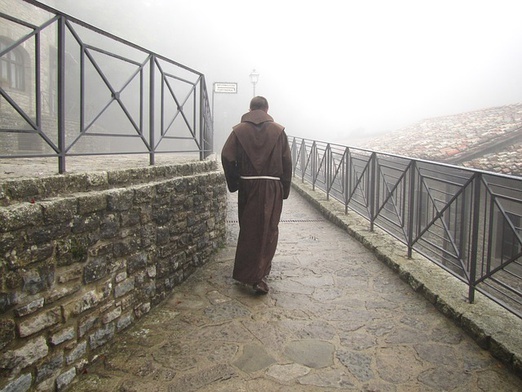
column 335, row 319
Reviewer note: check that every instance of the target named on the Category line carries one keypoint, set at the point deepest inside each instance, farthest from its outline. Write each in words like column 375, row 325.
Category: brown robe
column 257, row 147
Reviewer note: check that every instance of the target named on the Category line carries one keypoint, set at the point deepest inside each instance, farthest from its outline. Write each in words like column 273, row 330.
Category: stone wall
column 84, row 256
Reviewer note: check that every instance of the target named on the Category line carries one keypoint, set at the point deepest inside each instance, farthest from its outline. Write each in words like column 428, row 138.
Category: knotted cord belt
column 259, row 178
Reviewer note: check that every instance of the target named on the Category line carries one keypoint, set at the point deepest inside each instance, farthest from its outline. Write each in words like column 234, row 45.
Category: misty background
column 334, row 70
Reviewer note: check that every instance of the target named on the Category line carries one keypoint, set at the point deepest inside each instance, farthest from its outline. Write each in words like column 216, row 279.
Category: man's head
column 259, row 103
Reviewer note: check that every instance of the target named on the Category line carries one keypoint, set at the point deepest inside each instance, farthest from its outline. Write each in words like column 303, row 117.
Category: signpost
column 223, row 88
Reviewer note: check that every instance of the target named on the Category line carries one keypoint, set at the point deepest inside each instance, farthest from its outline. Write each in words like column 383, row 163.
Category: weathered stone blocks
column 7, row 332
column 83, row 257
column 39, row 322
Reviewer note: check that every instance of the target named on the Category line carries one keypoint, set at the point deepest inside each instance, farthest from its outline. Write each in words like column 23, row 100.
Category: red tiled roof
column 488, row 139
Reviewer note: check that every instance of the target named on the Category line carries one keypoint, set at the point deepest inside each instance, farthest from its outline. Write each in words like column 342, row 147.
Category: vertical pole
column 213, row 91
column 294, row 156
column 474, row 237
column 313, row 163
column 38, row 83
column 82, row 88
column 203, row 141
column 61, row 95
column 328, row 171
column 151, row 111
column 303, row 160
column 372, row 178
column 411, row 207
column 347, row 179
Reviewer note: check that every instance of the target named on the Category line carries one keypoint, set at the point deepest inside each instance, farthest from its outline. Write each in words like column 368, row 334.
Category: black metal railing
column 466, row 221
column 70, row 89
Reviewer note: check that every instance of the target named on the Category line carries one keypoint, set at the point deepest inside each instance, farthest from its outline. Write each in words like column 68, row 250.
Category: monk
column 257, row 162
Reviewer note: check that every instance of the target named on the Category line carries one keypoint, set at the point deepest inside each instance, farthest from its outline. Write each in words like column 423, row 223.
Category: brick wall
column 84, row 256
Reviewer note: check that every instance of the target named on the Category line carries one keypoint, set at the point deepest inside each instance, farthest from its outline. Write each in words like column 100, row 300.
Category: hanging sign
column 225, row 88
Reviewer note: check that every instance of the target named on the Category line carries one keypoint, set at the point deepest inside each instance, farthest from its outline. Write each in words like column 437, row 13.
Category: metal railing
column 466, row 221
column 70, row 89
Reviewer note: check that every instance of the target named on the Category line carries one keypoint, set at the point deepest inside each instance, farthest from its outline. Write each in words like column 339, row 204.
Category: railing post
column 313, row 164
column 205, row 128
column 303, row 159
column 372, row 178
column 293, row 150
column 411, row 207
column 474, row 237
column 60, row 89
column 151, row 112
column 201, row 122
column 346, row 178
column 328, row 169
column 38, row 81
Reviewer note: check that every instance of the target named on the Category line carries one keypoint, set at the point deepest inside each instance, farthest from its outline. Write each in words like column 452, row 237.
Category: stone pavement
column 336, row 318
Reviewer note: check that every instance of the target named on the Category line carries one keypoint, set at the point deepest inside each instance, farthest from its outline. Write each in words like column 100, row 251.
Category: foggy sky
column 332, row 70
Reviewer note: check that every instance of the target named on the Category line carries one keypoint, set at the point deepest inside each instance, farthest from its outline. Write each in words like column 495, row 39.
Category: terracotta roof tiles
column 488, row 139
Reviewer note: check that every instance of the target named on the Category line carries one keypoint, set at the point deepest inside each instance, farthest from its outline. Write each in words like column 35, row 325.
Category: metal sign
column 226, row 88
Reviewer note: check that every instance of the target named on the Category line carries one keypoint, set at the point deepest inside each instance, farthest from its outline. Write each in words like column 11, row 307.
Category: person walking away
column 257, row 162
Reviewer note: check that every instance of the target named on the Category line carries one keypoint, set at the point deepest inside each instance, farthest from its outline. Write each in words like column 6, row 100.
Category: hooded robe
column 257, row 147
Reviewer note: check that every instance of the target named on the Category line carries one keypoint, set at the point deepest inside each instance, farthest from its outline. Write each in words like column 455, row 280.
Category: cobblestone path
column 335, row 319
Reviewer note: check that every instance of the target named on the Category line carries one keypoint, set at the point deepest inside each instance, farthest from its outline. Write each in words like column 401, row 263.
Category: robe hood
column 258, row 134
column 258, row 146
column 256, row 117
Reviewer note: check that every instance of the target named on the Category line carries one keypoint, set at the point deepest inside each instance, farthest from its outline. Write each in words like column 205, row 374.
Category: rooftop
column 488, row 139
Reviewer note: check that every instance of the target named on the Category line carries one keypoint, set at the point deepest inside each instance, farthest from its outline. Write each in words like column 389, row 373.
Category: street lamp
column 254, row 77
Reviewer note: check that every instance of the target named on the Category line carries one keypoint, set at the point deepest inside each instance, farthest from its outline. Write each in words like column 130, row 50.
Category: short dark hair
column 259, row 103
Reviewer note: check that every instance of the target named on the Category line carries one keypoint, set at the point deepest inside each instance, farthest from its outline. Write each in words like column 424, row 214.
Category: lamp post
column 254, row 77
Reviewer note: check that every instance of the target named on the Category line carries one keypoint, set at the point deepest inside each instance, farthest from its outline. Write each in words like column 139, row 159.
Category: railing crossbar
column 74, row 120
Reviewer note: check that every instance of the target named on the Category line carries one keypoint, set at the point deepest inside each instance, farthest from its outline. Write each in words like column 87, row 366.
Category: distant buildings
column 488, row 139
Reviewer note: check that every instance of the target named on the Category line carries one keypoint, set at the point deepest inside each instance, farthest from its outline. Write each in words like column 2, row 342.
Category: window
column 12, row 67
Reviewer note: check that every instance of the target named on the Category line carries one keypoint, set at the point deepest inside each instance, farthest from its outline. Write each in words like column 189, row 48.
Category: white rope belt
column 259, row 178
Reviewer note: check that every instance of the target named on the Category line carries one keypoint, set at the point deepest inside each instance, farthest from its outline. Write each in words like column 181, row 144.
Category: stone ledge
column 19, row 190
column 491, row 326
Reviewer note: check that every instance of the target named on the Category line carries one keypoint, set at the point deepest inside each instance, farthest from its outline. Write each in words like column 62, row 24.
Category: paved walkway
column 335, row 319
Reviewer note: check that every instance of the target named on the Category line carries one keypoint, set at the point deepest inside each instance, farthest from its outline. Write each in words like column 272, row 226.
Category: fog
column 332, row 70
